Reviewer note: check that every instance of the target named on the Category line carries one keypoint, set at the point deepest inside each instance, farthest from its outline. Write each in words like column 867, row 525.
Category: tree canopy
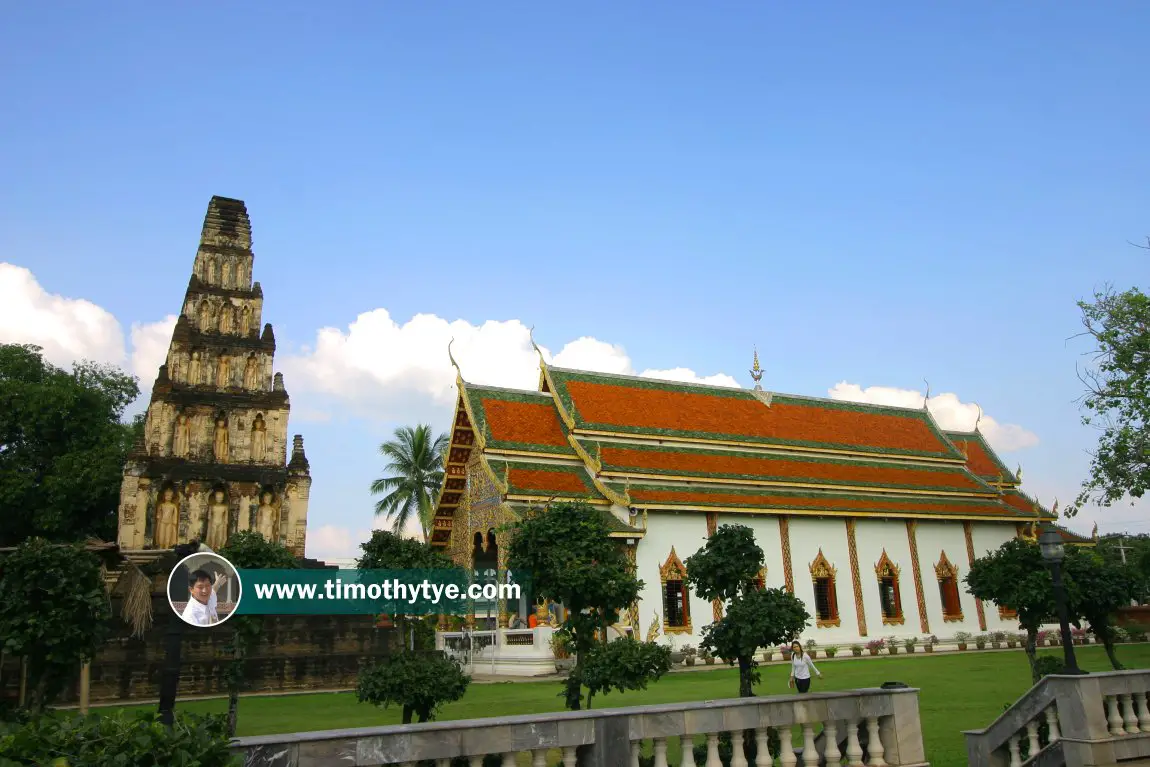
column 415, row 464
column 62, row 446
column 571, row 558
column 387, row 551
column 420, row 683
column 54, row 613
column 1102, row 586
column 1117, row 400
column 725, row 569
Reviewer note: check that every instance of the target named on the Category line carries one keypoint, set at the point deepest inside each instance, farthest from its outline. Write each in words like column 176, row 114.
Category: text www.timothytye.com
column 390, row 591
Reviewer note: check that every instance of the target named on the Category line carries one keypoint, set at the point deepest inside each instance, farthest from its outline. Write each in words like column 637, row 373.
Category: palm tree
column 416, row 468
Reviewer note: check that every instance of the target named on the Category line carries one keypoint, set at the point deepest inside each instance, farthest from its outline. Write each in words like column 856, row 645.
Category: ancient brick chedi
column 214, row 458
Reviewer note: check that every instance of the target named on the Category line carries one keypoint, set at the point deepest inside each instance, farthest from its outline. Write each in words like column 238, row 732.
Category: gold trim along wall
column 968, row 533
column 916, row 567
column 856, row 578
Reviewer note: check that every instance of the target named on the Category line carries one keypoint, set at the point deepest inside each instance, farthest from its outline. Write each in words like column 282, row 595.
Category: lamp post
column 1053, row 552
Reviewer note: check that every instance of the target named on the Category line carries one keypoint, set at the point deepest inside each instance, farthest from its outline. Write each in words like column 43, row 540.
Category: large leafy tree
column 54, row 613
column 1117, row 399
column 63, row 443
column 415, row 466
column 1103, row 586
column 248, row 550
column 725, row 569
column 1014, row 576
column 571, row 558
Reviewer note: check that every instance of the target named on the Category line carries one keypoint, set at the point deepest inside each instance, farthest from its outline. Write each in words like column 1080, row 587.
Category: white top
column 199, row 614
column 802, row 666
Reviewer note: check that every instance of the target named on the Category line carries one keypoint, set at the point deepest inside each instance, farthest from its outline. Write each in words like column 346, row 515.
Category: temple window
column 1006, row 613
column 890, row 597
column 826, row 598
column 760, row 581
column 676, row 598
column 948, row 592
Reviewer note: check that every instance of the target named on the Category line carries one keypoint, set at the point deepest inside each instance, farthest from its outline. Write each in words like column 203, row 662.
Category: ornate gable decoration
column 944, row 568
column 673, row 569
column 821, row 568
column 885, row 568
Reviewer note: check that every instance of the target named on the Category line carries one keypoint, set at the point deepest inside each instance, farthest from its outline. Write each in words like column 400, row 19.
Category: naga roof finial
column 451, row 357
column 757, row 371
column 927, row 397
column 535, row 346
column 978, row 420
column 1018, row 474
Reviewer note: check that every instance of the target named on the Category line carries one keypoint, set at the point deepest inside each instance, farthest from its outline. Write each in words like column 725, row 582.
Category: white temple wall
column 986, row 538
column 808, row 535
column 687, row 533
column 872, row 538
column 933, row 539
column 766, row 531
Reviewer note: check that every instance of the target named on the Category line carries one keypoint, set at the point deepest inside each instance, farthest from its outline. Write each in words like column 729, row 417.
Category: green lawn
column 959, row 691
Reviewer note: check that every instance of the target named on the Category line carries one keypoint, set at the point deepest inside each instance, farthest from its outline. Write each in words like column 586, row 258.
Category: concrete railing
column 873, row 727
column 1097, row 719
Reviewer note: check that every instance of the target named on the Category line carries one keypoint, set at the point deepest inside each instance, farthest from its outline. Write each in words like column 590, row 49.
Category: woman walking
column 801, row 668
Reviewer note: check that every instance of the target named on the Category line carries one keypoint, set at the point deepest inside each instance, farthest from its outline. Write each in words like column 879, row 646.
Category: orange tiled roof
column 853, row 503
column 633, row 405
column 981, row 458
column 734, row 465
column 517, row 420
column 526, row 478
column 1023, row 503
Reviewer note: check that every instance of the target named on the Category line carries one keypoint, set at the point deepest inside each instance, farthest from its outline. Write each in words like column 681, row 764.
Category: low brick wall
column 294, row 653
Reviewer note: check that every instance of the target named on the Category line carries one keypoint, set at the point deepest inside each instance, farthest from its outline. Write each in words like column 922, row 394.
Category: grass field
column 958, row 691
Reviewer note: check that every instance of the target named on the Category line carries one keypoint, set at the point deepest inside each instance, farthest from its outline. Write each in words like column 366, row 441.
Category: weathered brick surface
column 294, row 653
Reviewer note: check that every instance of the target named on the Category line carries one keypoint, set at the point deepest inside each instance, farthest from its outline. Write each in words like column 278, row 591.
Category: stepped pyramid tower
column 214, row 457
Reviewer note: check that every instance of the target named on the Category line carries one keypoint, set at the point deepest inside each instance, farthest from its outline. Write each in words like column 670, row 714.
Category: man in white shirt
column 202, row 599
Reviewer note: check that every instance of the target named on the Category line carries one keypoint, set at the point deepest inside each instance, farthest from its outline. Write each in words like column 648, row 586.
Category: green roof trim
column 560, row 377
column 976, row 436
column 594, row 446
column 475, row 399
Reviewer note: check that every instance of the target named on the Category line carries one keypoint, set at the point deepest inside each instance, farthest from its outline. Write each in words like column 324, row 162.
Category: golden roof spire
column 454, row 364
column 927, row 397
column 978, row 420
column 757, row 372
column 535, row 346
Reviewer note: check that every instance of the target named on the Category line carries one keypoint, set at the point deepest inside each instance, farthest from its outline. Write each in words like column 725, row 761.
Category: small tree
column 572, row 560
column 54, row 613
column 624, row 664
column 1015, row 577
column 1117, row 400
column 248, row 550
column 725, row 569
column 1102, row 587
column 420, row 682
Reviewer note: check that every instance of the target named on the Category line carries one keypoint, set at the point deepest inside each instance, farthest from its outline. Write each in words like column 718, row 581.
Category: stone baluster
column 1032, row 738
column 476, row 761
column 1015, row 751
column 635, row 746
column 509, row 759
column 713, row 759
column 738, row 758
column 660, row 752
column 831, row 753
column 538, row 758
column 854, row 748
column 762, row 746
column 442, row 763
column 787, row 756
column 1052, row 722
column 687, row 747
column 1114, row 718
column 569, row 756
column 1143, row 712
column 810, row 754
column 1129, row 716
column 875, row 751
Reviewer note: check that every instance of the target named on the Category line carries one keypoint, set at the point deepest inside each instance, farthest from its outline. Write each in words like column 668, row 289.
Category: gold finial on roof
column 535, row 346
column 757, row 371
column 451, row 357
column 1018, row 473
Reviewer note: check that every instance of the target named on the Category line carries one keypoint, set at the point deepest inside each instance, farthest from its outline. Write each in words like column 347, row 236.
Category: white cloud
column 68, row 329
column 333, row 542
column 402, row 372
column 948, row 410
column 73, row 329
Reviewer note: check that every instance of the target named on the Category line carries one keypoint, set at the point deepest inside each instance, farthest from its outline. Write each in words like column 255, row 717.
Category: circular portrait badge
column 204, row 589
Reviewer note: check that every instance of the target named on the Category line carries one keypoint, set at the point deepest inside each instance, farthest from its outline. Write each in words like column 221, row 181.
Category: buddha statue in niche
column 217, row 533
column 167, row 520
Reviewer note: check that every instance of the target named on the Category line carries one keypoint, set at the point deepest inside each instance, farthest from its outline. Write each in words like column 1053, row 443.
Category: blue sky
column 872, row 193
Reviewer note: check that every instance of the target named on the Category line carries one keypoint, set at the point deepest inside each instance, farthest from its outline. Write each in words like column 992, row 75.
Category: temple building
column 870, row 514
column 214, row 457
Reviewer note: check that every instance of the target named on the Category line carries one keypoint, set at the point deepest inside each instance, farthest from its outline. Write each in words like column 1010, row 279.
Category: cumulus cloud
column 948, row 410
column 73, row 329
column 334, row 542
column 396, row 371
